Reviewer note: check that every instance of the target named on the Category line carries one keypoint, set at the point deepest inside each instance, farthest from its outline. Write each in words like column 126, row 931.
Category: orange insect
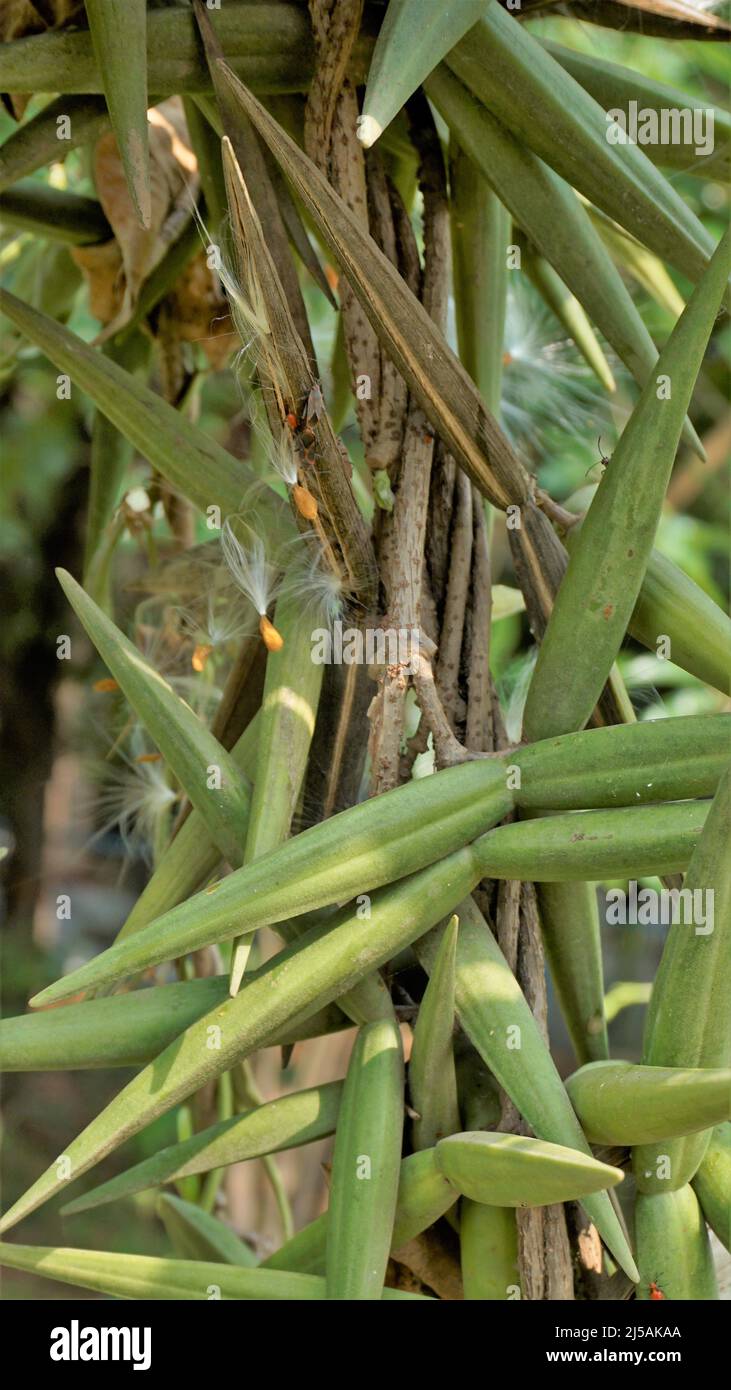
column 105, row 685
column 656, row 1292
column 149, row 758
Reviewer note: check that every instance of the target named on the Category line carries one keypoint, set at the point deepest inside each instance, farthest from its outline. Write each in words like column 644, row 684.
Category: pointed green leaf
column 498, row 1020
column 642, row 265
column 488, row 1242
column 688, row 1022
column 54, row 213
column 595, row 844
column 572, row 939
column 119, row 36
column 600, row 588
column 286, row 724
column 126, row 1030
column 423, row 1196
column 194, row 1235
column 207, row 773
column 623, row 765
column 147, row 1276
column 712, row 1183
column 284, row 730
column 509, row 1170
column 432, row 1077
column 366, row 1164
column 187, row 458
column 35, row 142
column 286, row 1123
column 480, row 228
column 412, row 40
column 619, row 1103
column 672, row 605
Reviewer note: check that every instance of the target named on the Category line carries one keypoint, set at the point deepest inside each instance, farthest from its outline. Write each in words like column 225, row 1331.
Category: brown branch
column 453, row 618
column 479, row 726
column 336, row 24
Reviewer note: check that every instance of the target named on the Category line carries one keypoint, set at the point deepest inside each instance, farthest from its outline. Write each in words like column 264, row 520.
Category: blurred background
column 80, row 817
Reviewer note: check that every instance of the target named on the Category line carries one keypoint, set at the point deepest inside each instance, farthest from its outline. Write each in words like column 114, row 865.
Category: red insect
column 655, row 1291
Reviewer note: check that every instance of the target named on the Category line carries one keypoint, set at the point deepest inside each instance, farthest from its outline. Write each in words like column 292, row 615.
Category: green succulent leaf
column 127, row 1030
column 480, row 228
column 412, row 40
column 286, row 723
column 614, row 87
column 712, row 1183
column 187, row 458
column 35, row 142
column 366, row 1164
column 54, row 213
column 359, row 850
column 432, row 1075
column 619, row 1103
column 120, row 27
column 673, row 1250
column 572, row 939
column 508, row 1170
column 488, row 1243
column 148, row 1276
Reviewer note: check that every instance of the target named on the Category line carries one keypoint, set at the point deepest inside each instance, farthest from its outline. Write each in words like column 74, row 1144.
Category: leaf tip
column 368, row 130
column 43, row 997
